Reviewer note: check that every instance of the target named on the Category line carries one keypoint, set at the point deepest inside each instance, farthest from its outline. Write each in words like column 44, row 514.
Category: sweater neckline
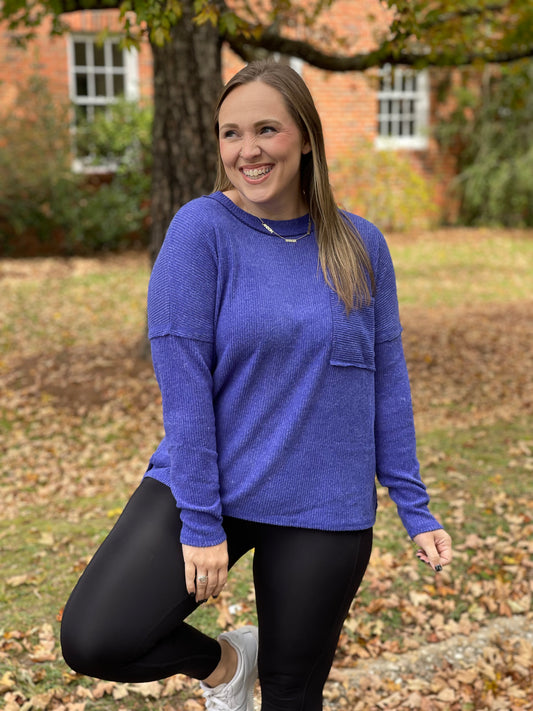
column 288, row 228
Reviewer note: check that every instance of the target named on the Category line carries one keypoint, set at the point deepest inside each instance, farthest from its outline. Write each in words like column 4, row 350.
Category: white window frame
column 129, row 70
column 294, row 62
column 396, row 88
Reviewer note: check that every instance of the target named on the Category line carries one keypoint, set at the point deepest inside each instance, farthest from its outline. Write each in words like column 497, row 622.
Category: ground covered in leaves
column 80, row 416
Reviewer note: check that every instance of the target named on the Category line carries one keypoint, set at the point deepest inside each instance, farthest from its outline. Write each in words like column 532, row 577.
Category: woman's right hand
column 206, row 570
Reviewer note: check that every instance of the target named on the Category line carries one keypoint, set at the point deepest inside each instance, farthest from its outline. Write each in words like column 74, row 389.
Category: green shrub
column 44, row 204
column 490, row 131
column 120, row 135
column 35, row 177
column 385, row 188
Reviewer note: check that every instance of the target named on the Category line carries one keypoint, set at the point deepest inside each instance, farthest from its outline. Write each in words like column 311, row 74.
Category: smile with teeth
column 257, row 172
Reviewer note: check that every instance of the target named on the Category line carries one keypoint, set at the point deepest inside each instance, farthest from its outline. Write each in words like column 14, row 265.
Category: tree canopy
column 420, row 32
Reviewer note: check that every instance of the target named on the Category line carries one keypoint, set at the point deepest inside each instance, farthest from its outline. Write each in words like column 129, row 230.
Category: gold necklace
column 286, row 239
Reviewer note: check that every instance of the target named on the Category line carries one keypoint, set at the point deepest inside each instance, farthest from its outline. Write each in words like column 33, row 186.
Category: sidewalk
column 493, row 666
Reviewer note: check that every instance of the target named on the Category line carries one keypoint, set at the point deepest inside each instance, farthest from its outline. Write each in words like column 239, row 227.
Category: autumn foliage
column 80, row 415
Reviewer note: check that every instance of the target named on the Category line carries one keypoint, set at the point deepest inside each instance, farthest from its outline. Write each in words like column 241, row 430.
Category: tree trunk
column 187, row 81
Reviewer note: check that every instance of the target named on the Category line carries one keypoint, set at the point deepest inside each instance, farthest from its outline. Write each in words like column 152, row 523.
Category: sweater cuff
column 420, row 522
column 201, row 529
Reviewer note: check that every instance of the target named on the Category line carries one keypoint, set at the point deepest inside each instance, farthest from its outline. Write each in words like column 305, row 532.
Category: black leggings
column 124, row 619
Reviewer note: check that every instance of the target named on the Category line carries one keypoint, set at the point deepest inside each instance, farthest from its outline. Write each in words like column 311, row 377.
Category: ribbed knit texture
column 277, row 407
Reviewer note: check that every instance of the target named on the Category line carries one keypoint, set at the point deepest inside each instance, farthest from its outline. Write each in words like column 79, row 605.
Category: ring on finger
column 202, row 579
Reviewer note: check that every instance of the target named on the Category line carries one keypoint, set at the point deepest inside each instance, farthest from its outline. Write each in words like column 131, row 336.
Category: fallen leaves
column 44, row 650
column 83, row 415
column 469, row 365
column 495, row 674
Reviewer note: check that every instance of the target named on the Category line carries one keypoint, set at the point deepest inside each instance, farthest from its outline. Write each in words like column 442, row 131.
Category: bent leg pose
column 276, row 343
column 124, row 619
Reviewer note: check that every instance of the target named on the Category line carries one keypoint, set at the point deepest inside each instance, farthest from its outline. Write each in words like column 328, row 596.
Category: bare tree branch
column 249, row 47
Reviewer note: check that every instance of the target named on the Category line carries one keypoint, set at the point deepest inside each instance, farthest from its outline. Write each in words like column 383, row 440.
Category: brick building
column 392, row 111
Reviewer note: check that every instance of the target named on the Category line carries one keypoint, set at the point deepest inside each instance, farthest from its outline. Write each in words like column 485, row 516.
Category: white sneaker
column 237, row 694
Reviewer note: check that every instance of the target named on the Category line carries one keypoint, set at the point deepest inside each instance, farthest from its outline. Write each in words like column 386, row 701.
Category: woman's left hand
column 434, row 548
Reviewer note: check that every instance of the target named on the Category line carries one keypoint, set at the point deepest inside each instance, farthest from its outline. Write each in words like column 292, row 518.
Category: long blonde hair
column 342, row 253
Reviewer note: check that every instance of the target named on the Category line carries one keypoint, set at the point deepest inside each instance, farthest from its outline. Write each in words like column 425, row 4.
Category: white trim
column 131, row 63
column 297, row 64
column 405, row 130
column 129, row 71
column 294, row 62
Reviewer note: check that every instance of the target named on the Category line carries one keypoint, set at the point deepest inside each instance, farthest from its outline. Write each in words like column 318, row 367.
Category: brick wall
column 346, row 101
column 47, row 57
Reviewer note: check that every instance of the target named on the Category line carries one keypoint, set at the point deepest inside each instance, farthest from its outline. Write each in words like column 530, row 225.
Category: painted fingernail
column 438, row 568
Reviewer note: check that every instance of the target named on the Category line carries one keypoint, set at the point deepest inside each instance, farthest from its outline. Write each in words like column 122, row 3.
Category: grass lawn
column 80, row 416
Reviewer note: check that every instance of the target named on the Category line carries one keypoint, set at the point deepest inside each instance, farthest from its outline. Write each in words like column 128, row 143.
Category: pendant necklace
column 287, row 239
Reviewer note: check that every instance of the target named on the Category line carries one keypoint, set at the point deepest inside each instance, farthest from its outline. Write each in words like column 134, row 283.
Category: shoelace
column 216, row 700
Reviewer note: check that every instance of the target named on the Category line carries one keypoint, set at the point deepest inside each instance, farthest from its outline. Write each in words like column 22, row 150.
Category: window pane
column 118, row 55
column 81, row 85
column 99, row 57
column 81, row 113
column 399, row 99
column 99, row 85
column 118, row 85
column 80, row 58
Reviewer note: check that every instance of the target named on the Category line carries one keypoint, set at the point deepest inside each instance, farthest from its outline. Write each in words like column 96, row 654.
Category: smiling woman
column 284, row 393
column 261, row 148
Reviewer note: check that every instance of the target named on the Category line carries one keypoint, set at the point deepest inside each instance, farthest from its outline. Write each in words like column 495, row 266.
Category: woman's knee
column 90, row 647
column 81, row 649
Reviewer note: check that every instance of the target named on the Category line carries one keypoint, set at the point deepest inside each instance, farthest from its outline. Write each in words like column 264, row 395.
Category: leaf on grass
column 173, row 685
column 147, row 689
column 47, row 539
column 25, row 579
column 120, row 691
column 7, row 682
column 40, row 702
column 103, row 688
column 466, row 676
column 225, row 618
column 192, row 705
column 44, row 651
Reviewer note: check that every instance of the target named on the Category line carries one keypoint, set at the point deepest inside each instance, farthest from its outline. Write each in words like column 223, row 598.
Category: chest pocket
column 352, row 336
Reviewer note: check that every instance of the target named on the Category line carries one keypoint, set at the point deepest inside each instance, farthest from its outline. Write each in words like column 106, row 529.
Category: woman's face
column 261, row 148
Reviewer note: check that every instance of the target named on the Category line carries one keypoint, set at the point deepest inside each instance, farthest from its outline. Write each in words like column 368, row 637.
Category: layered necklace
column 287, row 239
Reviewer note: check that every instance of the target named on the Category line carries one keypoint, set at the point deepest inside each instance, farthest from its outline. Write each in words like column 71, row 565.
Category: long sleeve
column 182, row 367
column 396, row 461
column 181, row 307
column 397, row 465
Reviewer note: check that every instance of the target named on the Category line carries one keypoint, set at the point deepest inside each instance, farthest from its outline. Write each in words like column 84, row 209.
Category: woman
column 276, row 343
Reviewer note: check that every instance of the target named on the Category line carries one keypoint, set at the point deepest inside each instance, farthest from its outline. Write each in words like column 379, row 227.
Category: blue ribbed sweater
column 277, row 407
